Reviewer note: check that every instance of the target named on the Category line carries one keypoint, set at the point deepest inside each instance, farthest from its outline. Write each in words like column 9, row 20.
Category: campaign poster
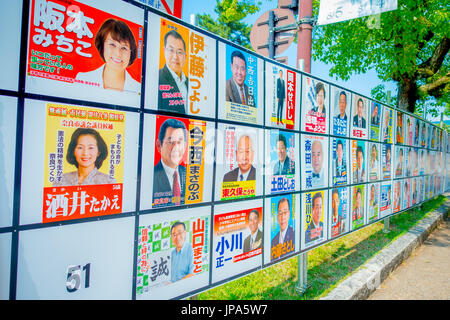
column 173, row 253
column 181, row 69
column 408, row 161
column 239, row 162
column 409, row 120
column 396, row 195
column 422, row 164
column 415, row 162
column 416, row 141
column 358, row 160
column 432, row 141
column 282, row 168
column 399, row 161
column 339, row 166
column 77, row 50
column 359, row 116
column 399, row 129
column 376, row 110
column 414, row 191
column 358, row 206
column 386, row 161
column 282, row 97
column 240, row 97
column 387, row 125
column 373, row 207
column 314, row 157
column 374, row 161
column 177, row 161
column 281, row 227
column 340, row 102
column 314, row 219
column 339, row 211
column 406, row 184
column 314, row 105
column 421, row 189
column 386, row 205
column 83, row 168
column 237, row 238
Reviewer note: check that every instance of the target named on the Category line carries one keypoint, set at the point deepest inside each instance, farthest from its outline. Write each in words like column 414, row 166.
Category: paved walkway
column 425, row 275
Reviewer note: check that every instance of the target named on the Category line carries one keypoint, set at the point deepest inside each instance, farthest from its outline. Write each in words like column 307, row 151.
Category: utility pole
column 304, row 34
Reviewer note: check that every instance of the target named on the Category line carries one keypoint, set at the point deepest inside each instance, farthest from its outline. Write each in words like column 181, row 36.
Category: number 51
column 74, row 277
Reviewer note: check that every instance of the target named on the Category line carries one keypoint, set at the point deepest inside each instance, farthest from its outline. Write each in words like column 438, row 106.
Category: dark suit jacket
column 355, row 122
column 281, row 89
column 165, row 78
column 286, row 169
column 257, row 238
column 233, row 175
column 161, row 185
column 290, row 235
column 309, row 229
column 232, row 94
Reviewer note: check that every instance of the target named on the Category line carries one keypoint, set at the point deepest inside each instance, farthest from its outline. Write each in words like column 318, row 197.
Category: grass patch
column 327, row 265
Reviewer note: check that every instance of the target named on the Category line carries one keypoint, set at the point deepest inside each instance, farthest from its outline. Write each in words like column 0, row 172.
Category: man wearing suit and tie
column 284, row 165
column 358, row 120
column 236, row 90
column 281, row 95
column 244, row 158
column 339, row 166
column 254, row 240
column 284, row 241
column 359, row 175
column 315, row 227
column 169, row 179
column 317, row 177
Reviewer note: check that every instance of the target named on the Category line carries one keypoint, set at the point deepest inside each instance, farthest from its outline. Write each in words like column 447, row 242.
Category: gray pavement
column 415, row 266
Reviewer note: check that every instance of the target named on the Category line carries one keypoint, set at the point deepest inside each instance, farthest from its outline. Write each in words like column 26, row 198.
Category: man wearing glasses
column 181, row 257
column 173, row 83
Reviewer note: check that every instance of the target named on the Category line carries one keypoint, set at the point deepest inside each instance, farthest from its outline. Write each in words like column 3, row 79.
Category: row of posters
column 89, row 162
column 94, row 51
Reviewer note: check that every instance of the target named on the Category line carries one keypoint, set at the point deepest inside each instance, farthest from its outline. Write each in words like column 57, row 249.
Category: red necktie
column 176, row 188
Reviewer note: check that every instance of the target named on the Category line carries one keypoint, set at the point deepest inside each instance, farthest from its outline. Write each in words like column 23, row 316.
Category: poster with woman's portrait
column 177, row 163
column 373, row 202
column 376, row 110
column 340, row 101
column 282, row 97
column 241, row 83
column 339, row 211
column 314, row 218
column 314, row 158
column 315, row 102
column 86, row 50
column 339, row 165
column 181, row 69
column 359, row 117
column 281, row 226
column 282, row 169
column 358, row 206
column 83, row 171
column 173, row 253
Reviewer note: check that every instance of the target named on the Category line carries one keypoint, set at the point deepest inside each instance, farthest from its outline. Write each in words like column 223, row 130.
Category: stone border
column 369, row 277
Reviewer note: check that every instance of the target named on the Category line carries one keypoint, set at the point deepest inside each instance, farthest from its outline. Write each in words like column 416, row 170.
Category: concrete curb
column 369, row 277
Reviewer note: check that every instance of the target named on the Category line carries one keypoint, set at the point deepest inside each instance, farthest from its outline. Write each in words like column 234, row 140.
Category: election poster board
column 339, row 217
column 396, row 195
column 8, row 114
column 282, row 168
column 386, row 196
column 339, row 162
column 177, row 161
column 84, row 162
column 315, row 105
column 387, row 123
column 283, row 88
column 386, row 161
column 75, row 50
column 314, row 159
column 373, row 202
column 173, row 253
column 232, row 255
column 376, row 110
column 358, row 161
column 340, row 107
column 374, row 161
column 359, row 117
column 81, row 261
column 239, row 161
column 241, row 85
column 314, row 218
column 358, row 206
column 181, row 69
column 282, row 227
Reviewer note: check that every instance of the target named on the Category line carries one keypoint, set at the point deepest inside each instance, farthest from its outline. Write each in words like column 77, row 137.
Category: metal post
column 271, row 34
column 386, row 220
column 304, row 34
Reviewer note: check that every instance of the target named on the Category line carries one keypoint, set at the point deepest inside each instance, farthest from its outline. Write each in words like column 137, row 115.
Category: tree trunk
column 407, row 95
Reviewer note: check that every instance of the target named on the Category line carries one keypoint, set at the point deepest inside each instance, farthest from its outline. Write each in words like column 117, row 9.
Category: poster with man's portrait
column 373, row 202
column 358, row 161
column 358, row 206
column 386, row 161
column 359, row 117
column 340, row 102
column 387, row 124
column 314, row 159
column 374, row 161
column 314, row 218
column 406, row 186
column 376, row 110
column 396, row 195
column 399, row 128
column 315, row 103
column 386, row 199
column 282, row 171
column 399, row 161
column 282, row 97
column 339, row 165
column 181, row 69
column 339, row 211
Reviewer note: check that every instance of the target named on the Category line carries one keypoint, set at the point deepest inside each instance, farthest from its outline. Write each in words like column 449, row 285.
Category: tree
column 409, row 46
column 229, row 23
